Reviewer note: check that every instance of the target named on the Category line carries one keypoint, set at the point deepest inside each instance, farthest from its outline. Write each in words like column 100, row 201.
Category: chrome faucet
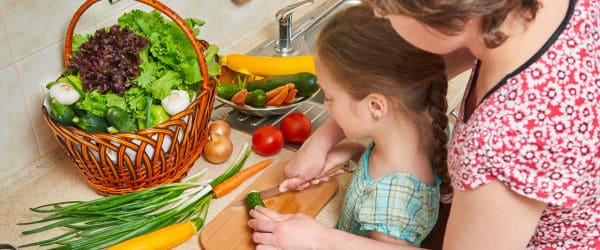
column 284, row 20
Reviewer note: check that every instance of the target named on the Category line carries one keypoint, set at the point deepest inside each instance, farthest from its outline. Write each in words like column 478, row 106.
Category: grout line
column 31, row 171
column 21, row 83
column 10, row 47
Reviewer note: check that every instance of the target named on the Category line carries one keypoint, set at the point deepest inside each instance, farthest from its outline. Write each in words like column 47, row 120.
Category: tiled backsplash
column 32, row 42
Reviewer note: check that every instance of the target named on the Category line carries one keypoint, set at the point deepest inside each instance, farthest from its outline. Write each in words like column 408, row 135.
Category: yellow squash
column 164, row 238
column 270, row 65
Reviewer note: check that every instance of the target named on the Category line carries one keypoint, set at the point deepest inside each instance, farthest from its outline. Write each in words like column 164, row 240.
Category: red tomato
column 267, row 140
column 296, row 127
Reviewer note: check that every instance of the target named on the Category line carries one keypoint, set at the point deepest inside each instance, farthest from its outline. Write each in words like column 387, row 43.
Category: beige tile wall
column 31, row 46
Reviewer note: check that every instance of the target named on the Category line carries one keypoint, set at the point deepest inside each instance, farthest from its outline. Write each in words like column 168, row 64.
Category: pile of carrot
column 282, row 95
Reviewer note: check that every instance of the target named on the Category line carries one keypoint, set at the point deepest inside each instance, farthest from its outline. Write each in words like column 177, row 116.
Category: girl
column 524, row 156
column 378, row 86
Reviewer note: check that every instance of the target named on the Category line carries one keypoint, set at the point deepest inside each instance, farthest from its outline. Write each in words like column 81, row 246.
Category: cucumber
column 304, row 82
column 256, row 98
column 226, row 91
column 120, row 119
column 61, row 114
column 91, row 123
column 253, row 199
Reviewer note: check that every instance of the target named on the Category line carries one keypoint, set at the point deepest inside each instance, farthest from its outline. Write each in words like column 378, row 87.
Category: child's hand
column 309, row 161
column 305, row 165
column 285, row 231
column 339, row 155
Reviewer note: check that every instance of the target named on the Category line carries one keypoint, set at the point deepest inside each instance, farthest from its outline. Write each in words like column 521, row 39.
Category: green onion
column 106, row 221
column 235, row 167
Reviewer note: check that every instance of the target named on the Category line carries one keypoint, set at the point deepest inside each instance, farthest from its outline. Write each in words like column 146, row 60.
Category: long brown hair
column 450, row 16
column 366, row 55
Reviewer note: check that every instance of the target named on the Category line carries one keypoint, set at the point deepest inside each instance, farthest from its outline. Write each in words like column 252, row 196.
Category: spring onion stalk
column 106, row 221
column 235, row 167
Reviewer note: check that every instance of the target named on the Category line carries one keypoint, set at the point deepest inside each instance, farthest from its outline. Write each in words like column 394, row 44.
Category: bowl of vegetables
column 274, row 95
column 266, row 86
column 133, row 105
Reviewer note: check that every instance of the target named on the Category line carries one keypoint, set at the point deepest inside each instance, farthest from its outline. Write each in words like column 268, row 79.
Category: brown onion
column 220, row 127
column 218, row 148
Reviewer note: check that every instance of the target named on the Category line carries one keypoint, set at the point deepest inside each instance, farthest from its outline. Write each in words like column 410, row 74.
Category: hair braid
column 437, row 111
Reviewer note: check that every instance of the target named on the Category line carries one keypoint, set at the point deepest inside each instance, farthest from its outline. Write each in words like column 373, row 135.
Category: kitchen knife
column 347, row 167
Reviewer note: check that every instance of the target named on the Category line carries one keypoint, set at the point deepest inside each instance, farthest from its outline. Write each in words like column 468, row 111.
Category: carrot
column 290, row 96
column 237, row 179
column 240, row 97
column 164, row 238
column 278, row 99
column 272, row 93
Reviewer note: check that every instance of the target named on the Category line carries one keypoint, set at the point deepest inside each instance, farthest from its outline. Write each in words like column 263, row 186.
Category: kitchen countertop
column 61, row 180
column 55, row 178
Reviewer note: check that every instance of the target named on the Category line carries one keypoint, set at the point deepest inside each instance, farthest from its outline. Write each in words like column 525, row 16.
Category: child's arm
column 386, row 238
column 309, row 161
column 339, row 155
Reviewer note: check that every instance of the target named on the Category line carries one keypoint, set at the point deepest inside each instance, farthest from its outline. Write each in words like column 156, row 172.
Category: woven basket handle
column 157, row 5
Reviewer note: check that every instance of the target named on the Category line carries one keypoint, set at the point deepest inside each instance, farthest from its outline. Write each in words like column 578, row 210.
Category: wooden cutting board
column 229, row 229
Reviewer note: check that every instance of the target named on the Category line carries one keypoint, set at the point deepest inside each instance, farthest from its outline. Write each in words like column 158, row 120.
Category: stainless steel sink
column 304, row 35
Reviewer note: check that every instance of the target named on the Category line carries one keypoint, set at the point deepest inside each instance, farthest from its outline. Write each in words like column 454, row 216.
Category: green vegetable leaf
column 93, row 103
column 78, row 39
column 213, row 67
column 193, row 22
column 149, row 70
column 162, row 87
column 143, row 23
column 116, row 101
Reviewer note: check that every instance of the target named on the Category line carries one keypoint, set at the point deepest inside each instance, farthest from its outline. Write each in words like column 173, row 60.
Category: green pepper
column 61, row 114
column 157, row 115
column 226, row 91
column 256, row 98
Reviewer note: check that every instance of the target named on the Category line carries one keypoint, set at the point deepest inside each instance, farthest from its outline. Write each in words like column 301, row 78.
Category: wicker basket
column 125, row 162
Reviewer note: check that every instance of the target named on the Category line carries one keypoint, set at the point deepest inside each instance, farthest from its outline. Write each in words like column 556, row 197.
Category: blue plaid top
column 397, row 204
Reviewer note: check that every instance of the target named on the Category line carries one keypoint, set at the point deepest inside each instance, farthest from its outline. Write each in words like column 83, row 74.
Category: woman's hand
column 310, row 159
column 286, row 231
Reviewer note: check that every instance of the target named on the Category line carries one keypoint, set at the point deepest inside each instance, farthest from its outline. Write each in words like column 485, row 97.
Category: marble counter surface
column 61, row 180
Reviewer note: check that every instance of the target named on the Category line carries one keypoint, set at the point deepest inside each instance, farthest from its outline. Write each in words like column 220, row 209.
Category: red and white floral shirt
column 538, row 132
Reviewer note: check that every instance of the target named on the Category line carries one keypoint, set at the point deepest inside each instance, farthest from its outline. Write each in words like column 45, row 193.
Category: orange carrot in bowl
column 240, row 97
column 279, row 98
column 274, row 92
column 237, row 179
column 290, row 96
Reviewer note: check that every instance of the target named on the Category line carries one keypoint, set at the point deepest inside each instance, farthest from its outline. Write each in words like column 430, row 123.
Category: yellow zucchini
column 164, row 238
column 270, row 65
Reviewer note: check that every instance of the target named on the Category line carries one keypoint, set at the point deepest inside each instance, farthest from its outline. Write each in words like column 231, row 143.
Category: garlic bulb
column 64, row 93
column 176, row 102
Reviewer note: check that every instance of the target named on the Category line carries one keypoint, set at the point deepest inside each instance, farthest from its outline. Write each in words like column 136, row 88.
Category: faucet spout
column 284, row 20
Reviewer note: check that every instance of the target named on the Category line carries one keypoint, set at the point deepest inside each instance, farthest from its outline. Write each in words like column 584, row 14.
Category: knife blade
column 348, row 167
column 264, row 194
